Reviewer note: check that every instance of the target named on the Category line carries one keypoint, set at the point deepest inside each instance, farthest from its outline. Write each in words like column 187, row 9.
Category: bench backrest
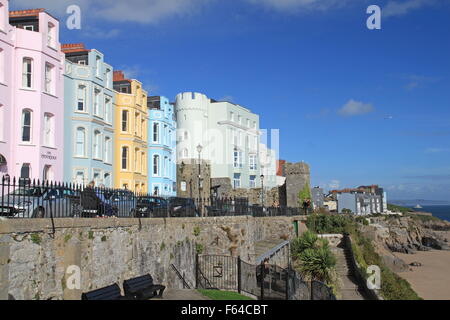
column 111, row 292
column 138, row 283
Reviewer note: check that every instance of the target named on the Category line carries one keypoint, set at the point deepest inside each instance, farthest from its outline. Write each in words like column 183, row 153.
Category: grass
column 223, row 295
column 401, row 209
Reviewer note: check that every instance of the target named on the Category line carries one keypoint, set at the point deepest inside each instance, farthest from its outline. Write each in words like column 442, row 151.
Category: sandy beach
column 431, row 281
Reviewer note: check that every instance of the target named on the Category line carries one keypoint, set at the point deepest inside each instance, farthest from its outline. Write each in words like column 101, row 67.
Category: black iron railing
column 264, row 281
column 24, row 198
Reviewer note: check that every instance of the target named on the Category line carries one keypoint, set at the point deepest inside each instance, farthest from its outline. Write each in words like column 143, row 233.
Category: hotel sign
column 48, row 156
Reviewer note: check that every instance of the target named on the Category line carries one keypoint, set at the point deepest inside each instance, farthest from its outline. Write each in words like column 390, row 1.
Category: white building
column 228, row 133
column 268, row 161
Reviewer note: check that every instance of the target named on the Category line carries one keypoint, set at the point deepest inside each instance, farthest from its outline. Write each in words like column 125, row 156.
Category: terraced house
column 131, row 123
column 162, row 147
column 89, row 117
column 31, row 95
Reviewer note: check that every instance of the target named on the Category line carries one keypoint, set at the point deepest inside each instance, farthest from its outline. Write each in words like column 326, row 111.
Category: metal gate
column 217, row 272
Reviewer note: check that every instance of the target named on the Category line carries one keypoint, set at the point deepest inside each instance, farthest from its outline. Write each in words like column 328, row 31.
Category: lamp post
column 262, row 191
column 199, row 150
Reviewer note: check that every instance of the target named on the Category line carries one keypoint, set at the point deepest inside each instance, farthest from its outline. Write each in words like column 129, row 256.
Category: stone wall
column 34, row 261
column 297, row 176
column 271, row 196
column 187, row 179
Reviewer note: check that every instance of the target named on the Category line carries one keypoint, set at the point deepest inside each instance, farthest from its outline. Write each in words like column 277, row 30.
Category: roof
column 29, row 13
column 73, row 47
column 118, row 76
column 25, row 13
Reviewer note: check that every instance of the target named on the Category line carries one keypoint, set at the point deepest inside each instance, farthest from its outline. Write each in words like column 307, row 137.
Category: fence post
column 261, row 266
column 196, row 270
column 239, row 274
column 287, row 283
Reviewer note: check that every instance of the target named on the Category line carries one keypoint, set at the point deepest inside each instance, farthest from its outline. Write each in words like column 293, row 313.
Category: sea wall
column 38, row 261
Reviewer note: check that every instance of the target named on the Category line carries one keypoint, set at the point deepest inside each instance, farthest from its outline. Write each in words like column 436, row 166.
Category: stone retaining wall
column 34, row 261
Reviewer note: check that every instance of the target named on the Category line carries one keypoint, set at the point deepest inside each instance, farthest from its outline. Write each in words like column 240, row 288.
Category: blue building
column 162, row 153
column 88, row 117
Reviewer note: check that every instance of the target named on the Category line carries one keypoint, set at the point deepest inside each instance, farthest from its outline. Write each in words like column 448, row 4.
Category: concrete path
column 349, row 289
column 182, row 294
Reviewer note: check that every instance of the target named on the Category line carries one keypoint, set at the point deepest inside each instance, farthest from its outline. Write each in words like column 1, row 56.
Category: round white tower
column 192, row 120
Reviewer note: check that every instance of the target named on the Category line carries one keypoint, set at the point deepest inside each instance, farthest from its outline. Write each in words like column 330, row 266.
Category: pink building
column 31, row 95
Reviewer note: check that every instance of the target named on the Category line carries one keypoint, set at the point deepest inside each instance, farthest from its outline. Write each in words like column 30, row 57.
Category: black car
column 152, row 207
column 182, row 207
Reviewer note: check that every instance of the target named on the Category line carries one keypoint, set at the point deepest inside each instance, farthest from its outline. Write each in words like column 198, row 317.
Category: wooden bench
column 142, row 288
column 111, row 292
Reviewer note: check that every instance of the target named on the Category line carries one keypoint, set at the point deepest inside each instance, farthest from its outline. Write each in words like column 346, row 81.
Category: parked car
column 150, row 206
column 182, row 207
column 124, row 202
column 36, row 202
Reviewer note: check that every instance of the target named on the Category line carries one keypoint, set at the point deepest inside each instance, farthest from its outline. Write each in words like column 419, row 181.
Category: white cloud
column 141, row 11
column 355, row 108
column 437, row 150
column 334, row 184
column 298, row 5
column 417, row 81
column 399, row 8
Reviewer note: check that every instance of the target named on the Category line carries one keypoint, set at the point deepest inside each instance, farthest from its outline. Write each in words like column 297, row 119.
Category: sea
column 440, row 211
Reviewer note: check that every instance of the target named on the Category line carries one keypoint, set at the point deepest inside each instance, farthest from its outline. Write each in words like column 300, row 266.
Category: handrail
column 185, row 283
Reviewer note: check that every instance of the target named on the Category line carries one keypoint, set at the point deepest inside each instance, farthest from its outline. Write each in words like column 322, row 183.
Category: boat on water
column 418, row 206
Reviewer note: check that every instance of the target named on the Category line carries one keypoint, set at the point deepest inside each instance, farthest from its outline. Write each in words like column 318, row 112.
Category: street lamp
column 199, row 150
column 262, row 191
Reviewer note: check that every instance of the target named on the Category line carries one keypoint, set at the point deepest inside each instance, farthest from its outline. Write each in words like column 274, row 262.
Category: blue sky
column 360, row 106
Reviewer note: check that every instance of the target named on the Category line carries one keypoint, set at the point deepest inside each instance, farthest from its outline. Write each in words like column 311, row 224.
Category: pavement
column 349, row 289
column 182, row 294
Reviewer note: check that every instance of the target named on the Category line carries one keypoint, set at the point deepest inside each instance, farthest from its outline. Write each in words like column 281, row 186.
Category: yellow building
column 131, row 120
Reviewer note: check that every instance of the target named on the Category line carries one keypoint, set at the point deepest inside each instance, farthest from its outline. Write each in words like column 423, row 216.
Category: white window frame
column 23, row 126
column 127, row 122
column 156, row 133
column 156, row 163
column 49, row 78
column 83, row 144
column 51, row 35
column 237, row 182
column 97, row 145
column 107, row 149
column 108, row 109
column 49, row 130
column 27, row 75
column 97, row 103
column 82, row 88
column 98, row 63
column 126, row 158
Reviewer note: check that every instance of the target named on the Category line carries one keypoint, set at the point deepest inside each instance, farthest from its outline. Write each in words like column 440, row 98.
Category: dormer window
column 98, row 65
column 51, row 35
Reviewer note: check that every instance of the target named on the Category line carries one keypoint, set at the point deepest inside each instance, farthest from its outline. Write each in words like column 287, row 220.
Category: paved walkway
column 182, row 294
column 349, row 289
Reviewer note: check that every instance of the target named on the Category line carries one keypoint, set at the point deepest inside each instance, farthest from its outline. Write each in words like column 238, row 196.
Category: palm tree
column 318, row 264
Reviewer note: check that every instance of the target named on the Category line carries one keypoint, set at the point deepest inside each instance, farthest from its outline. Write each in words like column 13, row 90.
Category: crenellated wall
column 34, row 261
